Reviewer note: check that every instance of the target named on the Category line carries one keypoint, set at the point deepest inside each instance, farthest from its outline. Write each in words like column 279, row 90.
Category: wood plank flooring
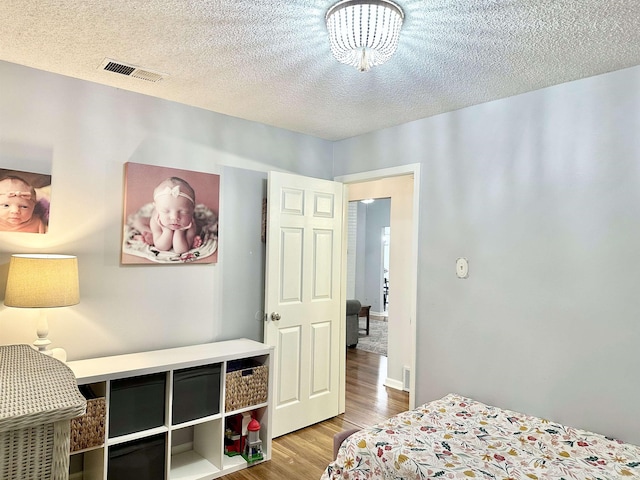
column 304, row 454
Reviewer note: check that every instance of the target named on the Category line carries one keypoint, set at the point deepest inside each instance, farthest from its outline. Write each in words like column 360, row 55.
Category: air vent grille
column 146, row 75
column 131, row 71
column 406, row 379
column 119, row 68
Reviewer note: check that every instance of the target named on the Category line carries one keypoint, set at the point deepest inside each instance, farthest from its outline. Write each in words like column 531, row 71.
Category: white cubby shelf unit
column 165, row 411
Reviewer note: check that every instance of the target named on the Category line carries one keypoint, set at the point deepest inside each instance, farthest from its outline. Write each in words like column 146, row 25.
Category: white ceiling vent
column 131, row 71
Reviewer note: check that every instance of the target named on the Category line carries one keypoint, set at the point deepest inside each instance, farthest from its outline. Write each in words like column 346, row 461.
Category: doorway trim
column 409, row 169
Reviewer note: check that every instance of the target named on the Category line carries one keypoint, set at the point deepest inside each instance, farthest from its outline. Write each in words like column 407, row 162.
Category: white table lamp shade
column 42, row 281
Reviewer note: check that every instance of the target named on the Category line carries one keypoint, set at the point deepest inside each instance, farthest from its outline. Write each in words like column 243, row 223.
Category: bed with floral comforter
column 457, row 437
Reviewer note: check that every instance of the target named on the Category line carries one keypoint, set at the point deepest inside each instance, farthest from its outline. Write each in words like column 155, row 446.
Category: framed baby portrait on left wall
column 25, row 199
column 170, row 215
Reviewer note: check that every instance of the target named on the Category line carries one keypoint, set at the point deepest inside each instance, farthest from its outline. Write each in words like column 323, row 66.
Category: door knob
column 275, row 316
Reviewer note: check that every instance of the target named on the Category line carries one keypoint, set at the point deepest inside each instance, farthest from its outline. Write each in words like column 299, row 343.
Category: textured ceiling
column 269, row 60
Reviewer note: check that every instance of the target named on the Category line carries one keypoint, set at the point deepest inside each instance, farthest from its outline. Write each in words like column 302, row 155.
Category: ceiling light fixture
column 364, row 33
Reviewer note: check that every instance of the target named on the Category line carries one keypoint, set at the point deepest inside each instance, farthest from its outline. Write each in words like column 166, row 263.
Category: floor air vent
column 131, row 71
column 406, row 379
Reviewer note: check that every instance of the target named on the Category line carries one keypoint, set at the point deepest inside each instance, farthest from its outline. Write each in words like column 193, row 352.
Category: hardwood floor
column 304, row 454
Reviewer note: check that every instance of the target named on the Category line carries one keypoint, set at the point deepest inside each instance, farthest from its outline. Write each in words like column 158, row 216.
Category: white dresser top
column 143, row 363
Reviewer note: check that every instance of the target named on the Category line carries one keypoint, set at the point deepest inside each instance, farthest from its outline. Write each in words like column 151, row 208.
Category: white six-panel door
column 302, row 298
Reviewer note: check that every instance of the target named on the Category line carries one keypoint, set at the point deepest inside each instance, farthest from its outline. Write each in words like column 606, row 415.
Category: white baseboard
column 393, row 383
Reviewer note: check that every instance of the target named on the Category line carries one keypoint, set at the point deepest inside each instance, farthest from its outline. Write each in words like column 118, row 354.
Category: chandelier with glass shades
column 364, row 33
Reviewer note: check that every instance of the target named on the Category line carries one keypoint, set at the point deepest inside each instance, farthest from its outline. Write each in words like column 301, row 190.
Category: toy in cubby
column 235, row 434
column 242, row 437
column 253, row 445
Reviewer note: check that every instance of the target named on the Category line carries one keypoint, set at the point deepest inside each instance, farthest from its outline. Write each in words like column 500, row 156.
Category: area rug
column 376, row 341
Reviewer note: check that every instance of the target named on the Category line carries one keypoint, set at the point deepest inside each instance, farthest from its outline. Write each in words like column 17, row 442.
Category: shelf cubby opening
column 137, row 404
column 246, row 383
column 196, row 451
column 236, row 437
column 142, row 459
column 196, row 393
column 87, row 465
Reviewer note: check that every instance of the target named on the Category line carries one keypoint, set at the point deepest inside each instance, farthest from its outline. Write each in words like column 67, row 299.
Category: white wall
column 87, row 132
column 541, row 193
column 364, row 252
column 377, row 217
column 352, row 230
column 361, row 234
column 400, row 191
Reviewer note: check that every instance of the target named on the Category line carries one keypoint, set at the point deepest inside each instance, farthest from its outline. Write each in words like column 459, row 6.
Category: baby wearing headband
column 172, row 224
column 17, row 204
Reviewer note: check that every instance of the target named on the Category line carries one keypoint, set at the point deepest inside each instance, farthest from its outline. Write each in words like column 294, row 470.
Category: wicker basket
column 246, row 387
column 38, row 398
column 87, row 431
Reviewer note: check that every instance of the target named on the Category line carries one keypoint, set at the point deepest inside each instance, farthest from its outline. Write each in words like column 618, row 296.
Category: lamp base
column 42, row 343
column 57, row 353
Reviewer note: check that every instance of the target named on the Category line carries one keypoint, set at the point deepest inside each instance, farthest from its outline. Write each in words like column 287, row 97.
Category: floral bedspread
column 457, row 437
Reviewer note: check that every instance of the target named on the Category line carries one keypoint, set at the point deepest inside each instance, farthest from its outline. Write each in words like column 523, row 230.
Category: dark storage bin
column 136, row 404
column 142, row 459
column 196, row 393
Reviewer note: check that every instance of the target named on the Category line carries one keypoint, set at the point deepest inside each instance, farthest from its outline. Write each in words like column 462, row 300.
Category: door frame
column 413, row 168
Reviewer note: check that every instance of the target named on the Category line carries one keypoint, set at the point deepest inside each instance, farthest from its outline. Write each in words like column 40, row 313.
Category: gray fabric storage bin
column 142, row 459
column 196, row 393
column 136, row 404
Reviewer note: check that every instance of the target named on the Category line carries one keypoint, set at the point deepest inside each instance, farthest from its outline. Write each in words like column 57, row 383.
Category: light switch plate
column 462, row 267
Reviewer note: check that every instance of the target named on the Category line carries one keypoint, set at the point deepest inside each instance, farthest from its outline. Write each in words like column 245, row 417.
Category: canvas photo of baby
column 171, row 215
column 24, row 201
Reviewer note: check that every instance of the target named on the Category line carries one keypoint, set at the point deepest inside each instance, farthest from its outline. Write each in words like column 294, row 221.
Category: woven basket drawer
column 87, row 431
column 246, row 387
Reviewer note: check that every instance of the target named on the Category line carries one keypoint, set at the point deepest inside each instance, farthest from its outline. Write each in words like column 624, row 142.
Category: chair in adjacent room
column 353, row 308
